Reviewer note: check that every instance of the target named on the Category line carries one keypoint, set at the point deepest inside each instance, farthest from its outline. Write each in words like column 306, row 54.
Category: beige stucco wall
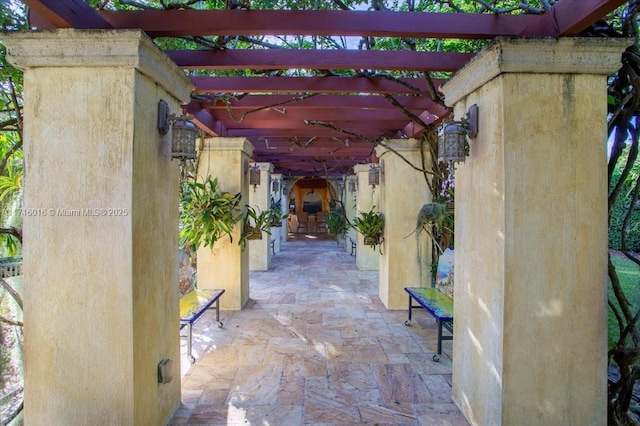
column 367, row 198
column 260, row 200
column 226, row 266
column 403, row 193
column 100, row 248
column 531, row 235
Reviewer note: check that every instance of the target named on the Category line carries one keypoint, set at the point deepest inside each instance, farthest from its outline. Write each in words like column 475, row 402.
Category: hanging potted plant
column 276, row 215
column 371, row 225
column 255, row 222
column 207, row 214
column 337, row 223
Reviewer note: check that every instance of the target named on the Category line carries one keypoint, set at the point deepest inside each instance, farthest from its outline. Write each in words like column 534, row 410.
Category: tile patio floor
column 315, row 346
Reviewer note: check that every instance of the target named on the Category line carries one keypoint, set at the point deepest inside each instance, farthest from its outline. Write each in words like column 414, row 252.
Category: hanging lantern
column 374, row 176
column 452, row 143
column 183, row 139
column 254, row 176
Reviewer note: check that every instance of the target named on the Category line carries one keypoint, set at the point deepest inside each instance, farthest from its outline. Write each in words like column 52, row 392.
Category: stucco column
column 530, row 332
column 349, row 203
column 260, row 199
column 100, row 227
column 403, row 193
column 278, row 231
column 226, row 265
column 367, row 197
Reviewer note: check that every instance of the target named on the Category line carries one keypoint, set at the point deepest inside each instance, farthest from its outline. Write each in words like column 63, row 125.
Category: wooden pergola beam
column 67, row 14
column 328, row 84
column 282, row 59
column 176, row 23
column 570, row 17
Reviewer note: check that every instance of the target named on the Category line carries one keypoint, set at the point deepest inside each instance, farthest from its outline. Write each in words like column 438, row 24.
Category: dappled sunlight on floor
column 315, row 345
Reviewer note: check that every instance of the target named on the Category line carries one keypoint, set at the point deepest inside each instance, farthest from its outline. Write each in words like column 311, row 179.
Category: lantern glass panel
column 254, row 176
column 183, row 139
column 374, row 176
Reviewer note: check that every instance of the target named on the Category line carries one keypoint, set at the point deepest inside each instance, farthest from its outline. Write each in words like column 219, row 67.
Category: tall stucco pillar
column 100, row 227
column 226, row 266
column 404, row 191
column 349, row 204
column 367, row 198
column 260, row 200
column 530, row 332
column 278, row 231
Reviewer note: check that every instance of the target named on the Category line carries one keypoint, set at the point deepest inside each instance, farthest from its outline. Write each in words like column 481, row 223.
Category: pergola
column 320, row 125
column 530, row 328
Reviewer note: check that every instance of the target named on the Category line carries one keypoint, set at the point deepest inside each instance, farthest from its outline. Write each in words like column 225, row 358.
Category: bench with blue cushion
column 192, row 306
column 439, row 305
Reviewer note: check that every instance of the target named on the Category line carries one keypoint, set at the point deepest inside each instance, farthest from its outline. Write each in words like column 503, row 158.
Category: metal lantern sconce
column 254, row 176
column 374, row 175
column 183, row 132
column 353, row 185
column 452, row 144
column 275, row 186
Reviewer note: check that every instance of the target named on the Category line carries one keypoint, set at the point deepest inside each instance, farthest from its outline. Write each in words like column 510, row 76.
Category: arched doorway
column 311, row 199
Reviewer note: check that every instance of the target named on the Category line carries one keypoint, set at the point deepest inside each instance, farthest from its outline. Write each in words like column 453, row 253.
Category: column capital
column 228, row 144
column 391, row 145
column 97, row 48
column 264, row 167
column 359, row 168
column 546, row 56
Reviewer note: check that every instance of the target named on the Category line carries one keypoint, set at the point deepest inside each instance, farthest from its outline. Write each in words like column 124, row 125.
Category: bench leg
column 192, row 359
column 436, row 357
column 408, row 322
column 218, row 313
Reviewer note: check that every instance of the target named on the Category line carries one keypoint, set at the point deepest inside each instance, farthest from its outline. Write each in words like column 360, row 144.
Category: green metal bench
column 438, row 305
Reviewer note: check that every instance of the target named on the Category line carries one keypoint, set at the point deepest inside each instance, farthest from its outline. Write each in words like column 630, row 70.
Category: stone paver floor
column 315, row 346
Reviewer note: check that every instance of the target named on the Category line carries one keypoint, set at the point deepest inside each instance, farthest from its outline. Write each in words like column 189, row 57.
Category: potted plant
column 255, row 221
column 371, row 225
column 337, row 223
column 276, row 215
column 206, row 213
column 437, row 220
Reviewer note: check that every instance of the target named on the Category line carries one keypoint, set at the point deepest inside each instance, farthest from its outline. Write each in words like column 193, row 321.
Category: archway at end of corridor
column 310, row 199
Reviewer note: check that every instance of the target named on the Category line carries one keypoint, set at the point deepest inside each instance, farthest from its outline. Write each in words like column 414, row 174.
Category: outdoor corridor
column 315, row 346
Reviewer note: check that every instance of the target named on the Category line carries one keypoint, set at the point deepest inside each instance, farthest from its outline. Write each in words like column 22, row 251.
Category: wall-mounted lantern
column 183, row 132
column 452, row 143
column 275, row 186
column 254, row 176
column 374, row 174
column 353, row 185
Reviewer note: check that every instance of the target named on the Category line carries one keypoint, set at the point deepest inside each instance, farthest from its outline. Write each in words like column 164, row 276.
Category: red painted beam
column 280, row 59
column 346, row 123
column 173, row 23
column 311, row 152
column 67, row 14
column 321, row 101
column 433, row 116
column 318, row 131
column 299, row 114
column 570, row 17
column 328, row 84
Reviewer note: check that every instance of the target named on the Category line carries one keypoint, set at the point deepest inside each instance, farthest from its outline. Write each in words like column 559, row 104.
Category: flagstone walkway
column 315, row 346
